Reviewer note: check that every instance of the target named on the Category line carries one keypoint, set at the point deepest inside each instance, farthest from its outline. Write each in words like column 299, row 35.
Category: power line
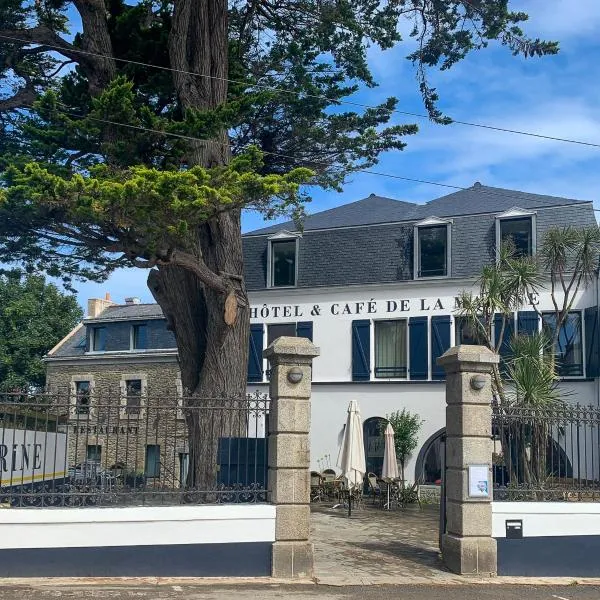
column 277, row 154
column 315, row 96
column 308, row 162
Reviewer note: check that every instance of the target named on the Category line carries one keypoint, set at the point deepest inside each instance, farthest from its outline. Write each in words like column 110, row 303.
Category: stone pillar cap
column 291, row 348
column 468, row 355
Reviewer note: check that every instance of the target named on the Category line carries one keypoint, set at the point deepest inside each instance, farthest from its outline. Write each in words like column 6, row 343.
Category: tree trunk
column 213, row 355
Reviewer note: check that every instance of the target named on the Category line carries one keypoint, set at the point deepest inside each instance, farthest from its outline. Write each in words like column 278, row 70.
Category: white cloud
column 561, row 18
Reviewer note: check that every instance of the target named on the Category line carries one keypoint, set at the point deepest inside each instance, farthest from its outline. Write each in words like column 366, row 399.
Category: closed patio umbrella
column 390, row 462
column 351, row 459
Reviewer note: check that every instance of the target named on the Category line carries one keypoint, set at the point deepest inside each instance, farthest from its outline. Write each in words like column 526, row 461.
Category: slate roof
column 129, row 311
column 75, row 345
column 72, row 346
column 370, row 210
column 371, row 240
column 477, row 199
column 483, row 199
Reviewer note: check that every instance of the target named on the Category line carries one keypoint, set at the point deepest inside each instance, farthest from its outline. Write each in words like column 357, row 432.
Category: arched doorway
column 428, row 469
column 374, row 441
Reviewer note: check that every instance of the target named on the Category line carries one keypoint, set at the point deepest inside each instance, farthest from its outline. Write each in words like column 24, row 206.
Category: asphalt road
column 304, row 592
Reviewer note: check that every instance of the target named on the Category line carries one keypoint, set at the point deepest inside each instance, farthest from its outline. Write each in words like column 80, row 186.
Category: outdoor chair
column 344, row 495
column 317, row 489
column 374, row 487
column 407, row 494
column 328, row 476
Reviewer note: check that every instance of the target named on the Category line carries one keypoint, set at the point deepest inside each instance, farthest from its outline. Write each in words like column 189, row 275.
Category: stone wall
column 121, row 433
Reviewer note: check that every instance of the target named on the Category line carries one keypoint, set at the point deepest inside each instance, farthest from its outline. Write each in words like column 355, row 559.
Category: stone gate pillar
column 289, row 454
column 468, row 547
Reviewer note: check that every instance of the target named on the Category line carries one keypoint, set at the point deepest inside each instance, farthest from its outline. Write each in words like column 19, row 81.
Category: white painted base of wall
column 547, row 519
column 136, row 526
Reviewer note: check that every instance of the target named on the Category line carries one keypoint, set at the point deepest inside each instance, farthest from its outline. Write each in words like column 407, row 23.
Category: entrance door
column 374, row 441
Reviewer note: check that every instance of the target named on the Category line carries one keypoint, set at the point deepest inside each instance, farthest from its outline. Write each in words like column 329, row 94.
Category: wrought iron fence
column 546, row 454
column 117, row 449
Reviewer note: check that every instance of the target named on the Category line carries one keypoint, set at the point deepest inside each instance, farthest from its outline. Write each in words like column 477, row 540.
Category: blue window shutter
column 440, row 342
column 361, row 350
column 592, row 340
column 527, row 322
column 419, row 356
column 255, row 359
column 509, row 330
column 305, row 329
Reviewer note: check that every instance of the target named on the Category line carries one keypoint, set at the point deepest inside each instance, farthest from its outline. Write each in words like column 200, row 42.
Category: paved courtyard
column 377, row 546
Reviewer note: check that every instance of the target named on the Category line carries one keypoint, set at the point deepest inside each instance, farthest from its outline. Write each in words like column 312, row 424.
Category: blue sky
column 553, row 96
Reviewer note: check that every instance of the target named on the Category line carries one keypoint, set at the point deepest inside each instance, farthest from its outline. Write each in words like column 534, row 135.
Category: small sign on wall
column 479, row 481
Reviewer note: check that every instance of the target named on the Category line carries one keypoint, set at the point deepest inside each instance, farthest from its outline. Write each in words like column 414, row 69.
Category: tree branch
column 199, row 268
column 22, row 99
column 41, row 35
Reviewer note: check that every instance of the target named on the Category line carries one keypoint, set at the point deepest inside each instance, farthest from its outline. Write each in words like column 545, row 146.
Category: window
column 139, row 337
column 390, row 348
column 467, row 333
column 518, row 232
column 152, row 461
column 94, row 453
column 432, row 251
column 283, row 263
column 568, row 350
column 98, row 339
column 184, row 464
column 82, row 397
column 133, row 396
column 278, row 330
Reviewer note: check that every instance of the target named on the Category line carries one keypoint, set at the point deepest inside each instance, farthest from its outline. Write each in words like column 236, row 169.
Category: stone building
column 117, row 375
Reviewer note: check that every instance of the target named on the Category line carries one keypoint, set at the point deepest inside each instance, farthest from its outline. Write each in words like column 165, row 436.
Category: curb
column 52, row 582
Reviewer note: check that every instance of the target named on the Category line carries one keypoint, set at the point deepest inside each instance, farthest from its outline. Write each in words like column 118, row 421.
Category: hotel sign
column 370, row 307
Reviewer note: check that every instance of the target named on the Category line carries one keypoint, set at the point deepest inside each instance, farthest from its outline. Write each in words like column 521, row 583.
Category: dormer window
column 283, row 260
column 139, row 337
column 517, row 228
column 432, row 248
column 98, row 339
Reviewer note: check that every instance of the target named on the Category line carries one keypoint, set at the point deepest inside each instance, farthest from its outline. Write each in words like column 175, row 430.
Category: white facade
column 332, row 311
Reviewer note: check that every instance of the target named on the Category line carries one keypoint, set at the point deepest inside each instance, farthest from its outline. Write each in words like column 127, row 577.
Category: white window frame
column 282, row 236
column 581, row 313
column 132, row 337
column 123, row 387
column 432, row 222
column 374, row 355
column 93, row 338
column 75, row 379
column 517, row 213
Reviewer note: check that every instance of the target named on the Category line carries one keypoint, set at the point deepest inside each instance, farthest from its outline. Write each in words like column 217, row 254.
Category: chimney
column 97, row 305
column 132, row 300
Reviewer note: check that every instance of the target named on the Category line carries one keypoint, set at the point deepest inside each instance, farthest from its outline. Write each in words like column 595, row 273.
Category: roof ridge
column 115, row 305
column 328, row 211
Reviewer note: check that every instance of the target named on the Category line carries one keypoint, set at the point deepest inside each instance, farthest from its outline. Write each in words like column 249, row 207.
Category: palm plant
column 570, row 257
column 504, row 287
column 535, row 395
